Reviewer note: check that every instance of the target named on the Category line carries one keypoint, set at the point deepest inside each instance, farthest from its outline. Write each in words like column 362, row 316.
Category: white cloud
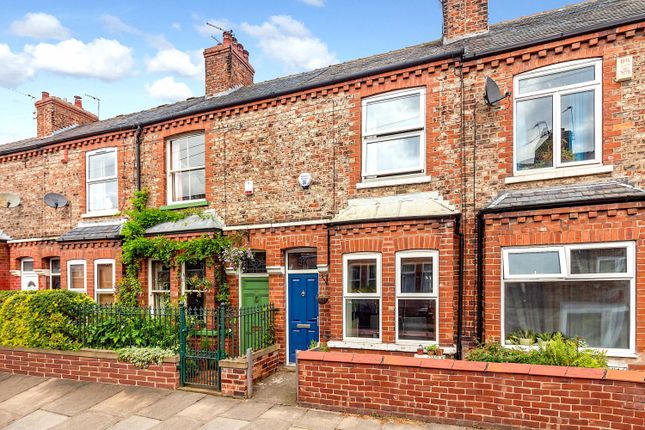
column 101, row 58
column 39, row 26
column 115, row 25
column 168, row 89
column 16, row 68
column 174, row 61
column 176, row 26
column 290, row 42
column 317, row 3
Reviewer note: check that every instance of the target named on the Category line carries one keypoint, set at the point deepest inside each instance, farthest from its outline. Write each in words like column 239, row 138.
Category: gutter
column 481, row 225
column 460, row 289
column 137, row 155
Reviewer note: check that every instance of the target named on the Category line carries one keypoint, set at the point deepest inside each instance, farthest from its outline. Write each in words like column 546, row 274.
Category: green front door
column 255, row 293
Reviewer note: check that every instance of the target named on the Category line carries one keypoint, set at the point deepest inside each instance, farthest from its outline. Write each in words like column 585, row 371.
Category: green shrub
column 144, row 357
column 40, row 319
column 558, row 351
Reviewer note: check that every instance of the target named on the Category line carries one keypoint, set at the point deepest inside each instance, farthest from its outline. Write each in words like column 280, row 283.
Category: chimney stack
column 227, row 65
column 53, row 114
column 464, row 18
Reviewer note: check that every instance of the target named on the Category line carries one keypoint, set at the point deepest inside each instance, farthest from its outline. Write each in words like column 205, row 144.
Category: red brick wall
column 489, row 395
column 227, row 66
column 92, row 366
column 606, row 223
column 464, row 17
column 5, row 277
column 53, row 113
column 234, row 379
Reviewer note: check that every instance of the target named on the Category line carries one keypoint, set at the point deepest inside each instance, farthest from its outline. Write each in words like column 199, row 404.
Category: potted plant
column 545, row 338
column 525, row 337
column 322, row 298
column 432, row 350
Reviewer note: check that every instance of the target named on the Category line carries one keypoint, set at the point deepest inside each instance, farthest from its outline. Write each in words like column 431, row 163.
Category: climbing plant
column 214, row 250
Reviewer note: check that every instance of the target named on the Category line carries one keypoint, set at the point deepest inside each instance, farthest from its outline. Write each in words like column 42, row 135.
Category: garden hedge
column 40, row 319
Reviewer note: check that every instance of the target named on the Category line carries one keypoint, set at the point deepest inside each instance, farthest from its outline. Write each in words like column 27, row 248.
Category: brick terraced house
column 432, row 216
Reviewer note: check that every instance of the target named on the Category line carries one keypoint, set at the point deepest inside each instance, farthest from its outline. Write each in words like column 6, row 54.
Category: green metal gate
column 207, row 336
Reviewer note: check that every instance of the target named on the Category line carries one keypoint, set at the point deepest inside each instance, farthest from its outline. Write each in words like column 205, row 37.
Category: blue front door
column 303, row 312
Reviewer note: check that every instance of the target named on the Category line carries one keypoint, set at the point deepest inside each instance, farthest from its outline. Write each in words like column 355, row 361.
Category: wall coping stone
column 241, row 363
column 84, row 353
column 475, row 366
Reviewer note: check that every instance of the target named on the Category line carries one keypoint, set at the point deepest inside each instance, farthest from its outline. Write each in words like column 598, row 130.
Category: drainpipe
column 460, row 287
column 480, row 276
column 137, row 154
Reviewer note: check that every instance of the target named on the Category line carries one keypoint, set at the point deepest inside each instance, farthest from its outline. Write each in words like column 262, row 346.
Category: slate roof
column 208, row 221
column 414, row 205
column 97, row 231
column 565, row 194
column 584, row 17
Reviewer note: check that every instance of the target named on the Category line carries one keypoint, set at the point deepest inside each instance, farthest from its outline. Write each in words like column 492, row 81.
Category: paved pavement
column 28, row 402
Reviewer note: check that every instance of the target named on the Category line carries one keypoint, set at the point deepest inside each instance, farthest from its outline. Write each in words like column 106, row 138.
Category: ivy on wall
column 214, row 250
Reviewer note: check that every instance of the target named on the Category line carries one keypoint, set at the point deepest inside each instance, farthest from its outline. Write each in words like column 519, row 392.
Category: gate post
column 182, row 344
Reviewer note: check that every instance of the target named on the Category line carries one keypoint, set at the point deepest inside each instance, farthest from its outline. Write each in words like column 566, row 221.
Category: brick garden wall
column 92, row 366
column 489, row 395
column 234, row 372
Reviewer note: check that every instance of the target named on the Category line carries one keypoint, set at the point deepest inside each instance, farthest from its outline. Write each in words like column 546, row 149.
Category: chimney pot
column 44, row 95
column 78, row 101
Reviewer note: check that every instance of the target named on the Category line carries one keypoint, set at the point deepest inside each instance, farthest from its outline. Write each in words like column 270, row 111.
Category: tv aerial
column 9, row 200
column 217, row 27
column 55, row 200
column 492, row 93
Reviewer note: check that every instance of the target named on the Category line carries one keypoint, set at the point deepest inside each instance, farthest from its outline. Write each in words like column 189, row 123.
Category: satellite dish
column 492, row 94
column 55, row 200
column 9, row 200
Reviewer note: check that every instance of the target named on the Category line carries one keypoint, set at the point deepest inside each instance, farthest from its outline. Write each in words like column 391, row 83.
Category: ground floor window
column 194, row 281
column 584, row 291
column 417, row 284
column 76, row 277
column 104, row 275
column 362, row 296
column 159, row 284
column 28, row 275
column 54, row 273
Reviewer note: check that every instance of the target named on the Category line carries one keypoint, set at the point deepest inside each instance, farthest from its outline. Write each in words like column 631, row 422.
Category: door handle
column 303, row 325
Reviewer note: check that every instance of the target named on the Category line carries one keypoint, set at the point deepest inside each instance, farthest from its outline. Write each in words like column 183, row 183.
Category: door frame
column 288, row 272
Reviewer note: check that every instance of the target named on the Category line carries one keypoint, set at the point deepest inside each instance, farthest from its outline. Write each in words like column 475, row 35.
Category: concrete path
column 28, row 402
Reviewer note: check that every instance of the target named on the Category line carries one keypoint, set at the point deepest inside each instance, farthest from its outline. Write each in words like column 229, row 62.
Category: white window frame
column 151, row 283
column 170, row 172
column 52, row 274
column 394, row 133
column 97, row 291
column 71, row 263
column 630, row 275
column 104, row 179
column 183, row 279
column 556, row 93
column 434, row 295
column 28, row 274
column 377, row 295
column 524, row 250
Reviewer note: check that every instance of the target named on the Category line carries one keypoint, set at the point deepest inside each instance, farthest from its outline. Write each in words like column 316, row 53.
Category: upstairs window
column 558, row 116
column 102, row 182
column 394, row 133
column 186, row 168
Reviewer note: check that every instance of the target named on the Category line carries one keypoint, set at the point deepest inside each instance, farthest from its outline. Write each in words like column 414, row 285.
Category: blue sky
column 138, row 54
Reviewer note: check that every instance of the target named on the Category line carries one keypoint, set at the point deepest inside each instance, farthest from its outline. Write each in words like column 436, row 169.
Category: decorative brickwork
column 87, row 365
column 488, row 395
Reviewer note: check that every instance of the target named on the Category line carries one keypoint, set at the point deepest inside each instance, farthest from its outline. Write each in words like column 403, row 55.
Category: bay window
column 102, row 181
column 558, row 116
column 186, row 168
column 362, row 296
column 584, row 291
column 104, row 274
column 394, row 133
column 417, row 285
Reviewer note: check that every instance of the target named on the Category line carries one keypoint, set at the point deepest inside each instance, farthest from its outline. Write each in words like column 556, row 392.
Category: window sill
column 565, row 172
column 184, row 205
column 100, row 214
column 379, row 346
column 392, row 182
